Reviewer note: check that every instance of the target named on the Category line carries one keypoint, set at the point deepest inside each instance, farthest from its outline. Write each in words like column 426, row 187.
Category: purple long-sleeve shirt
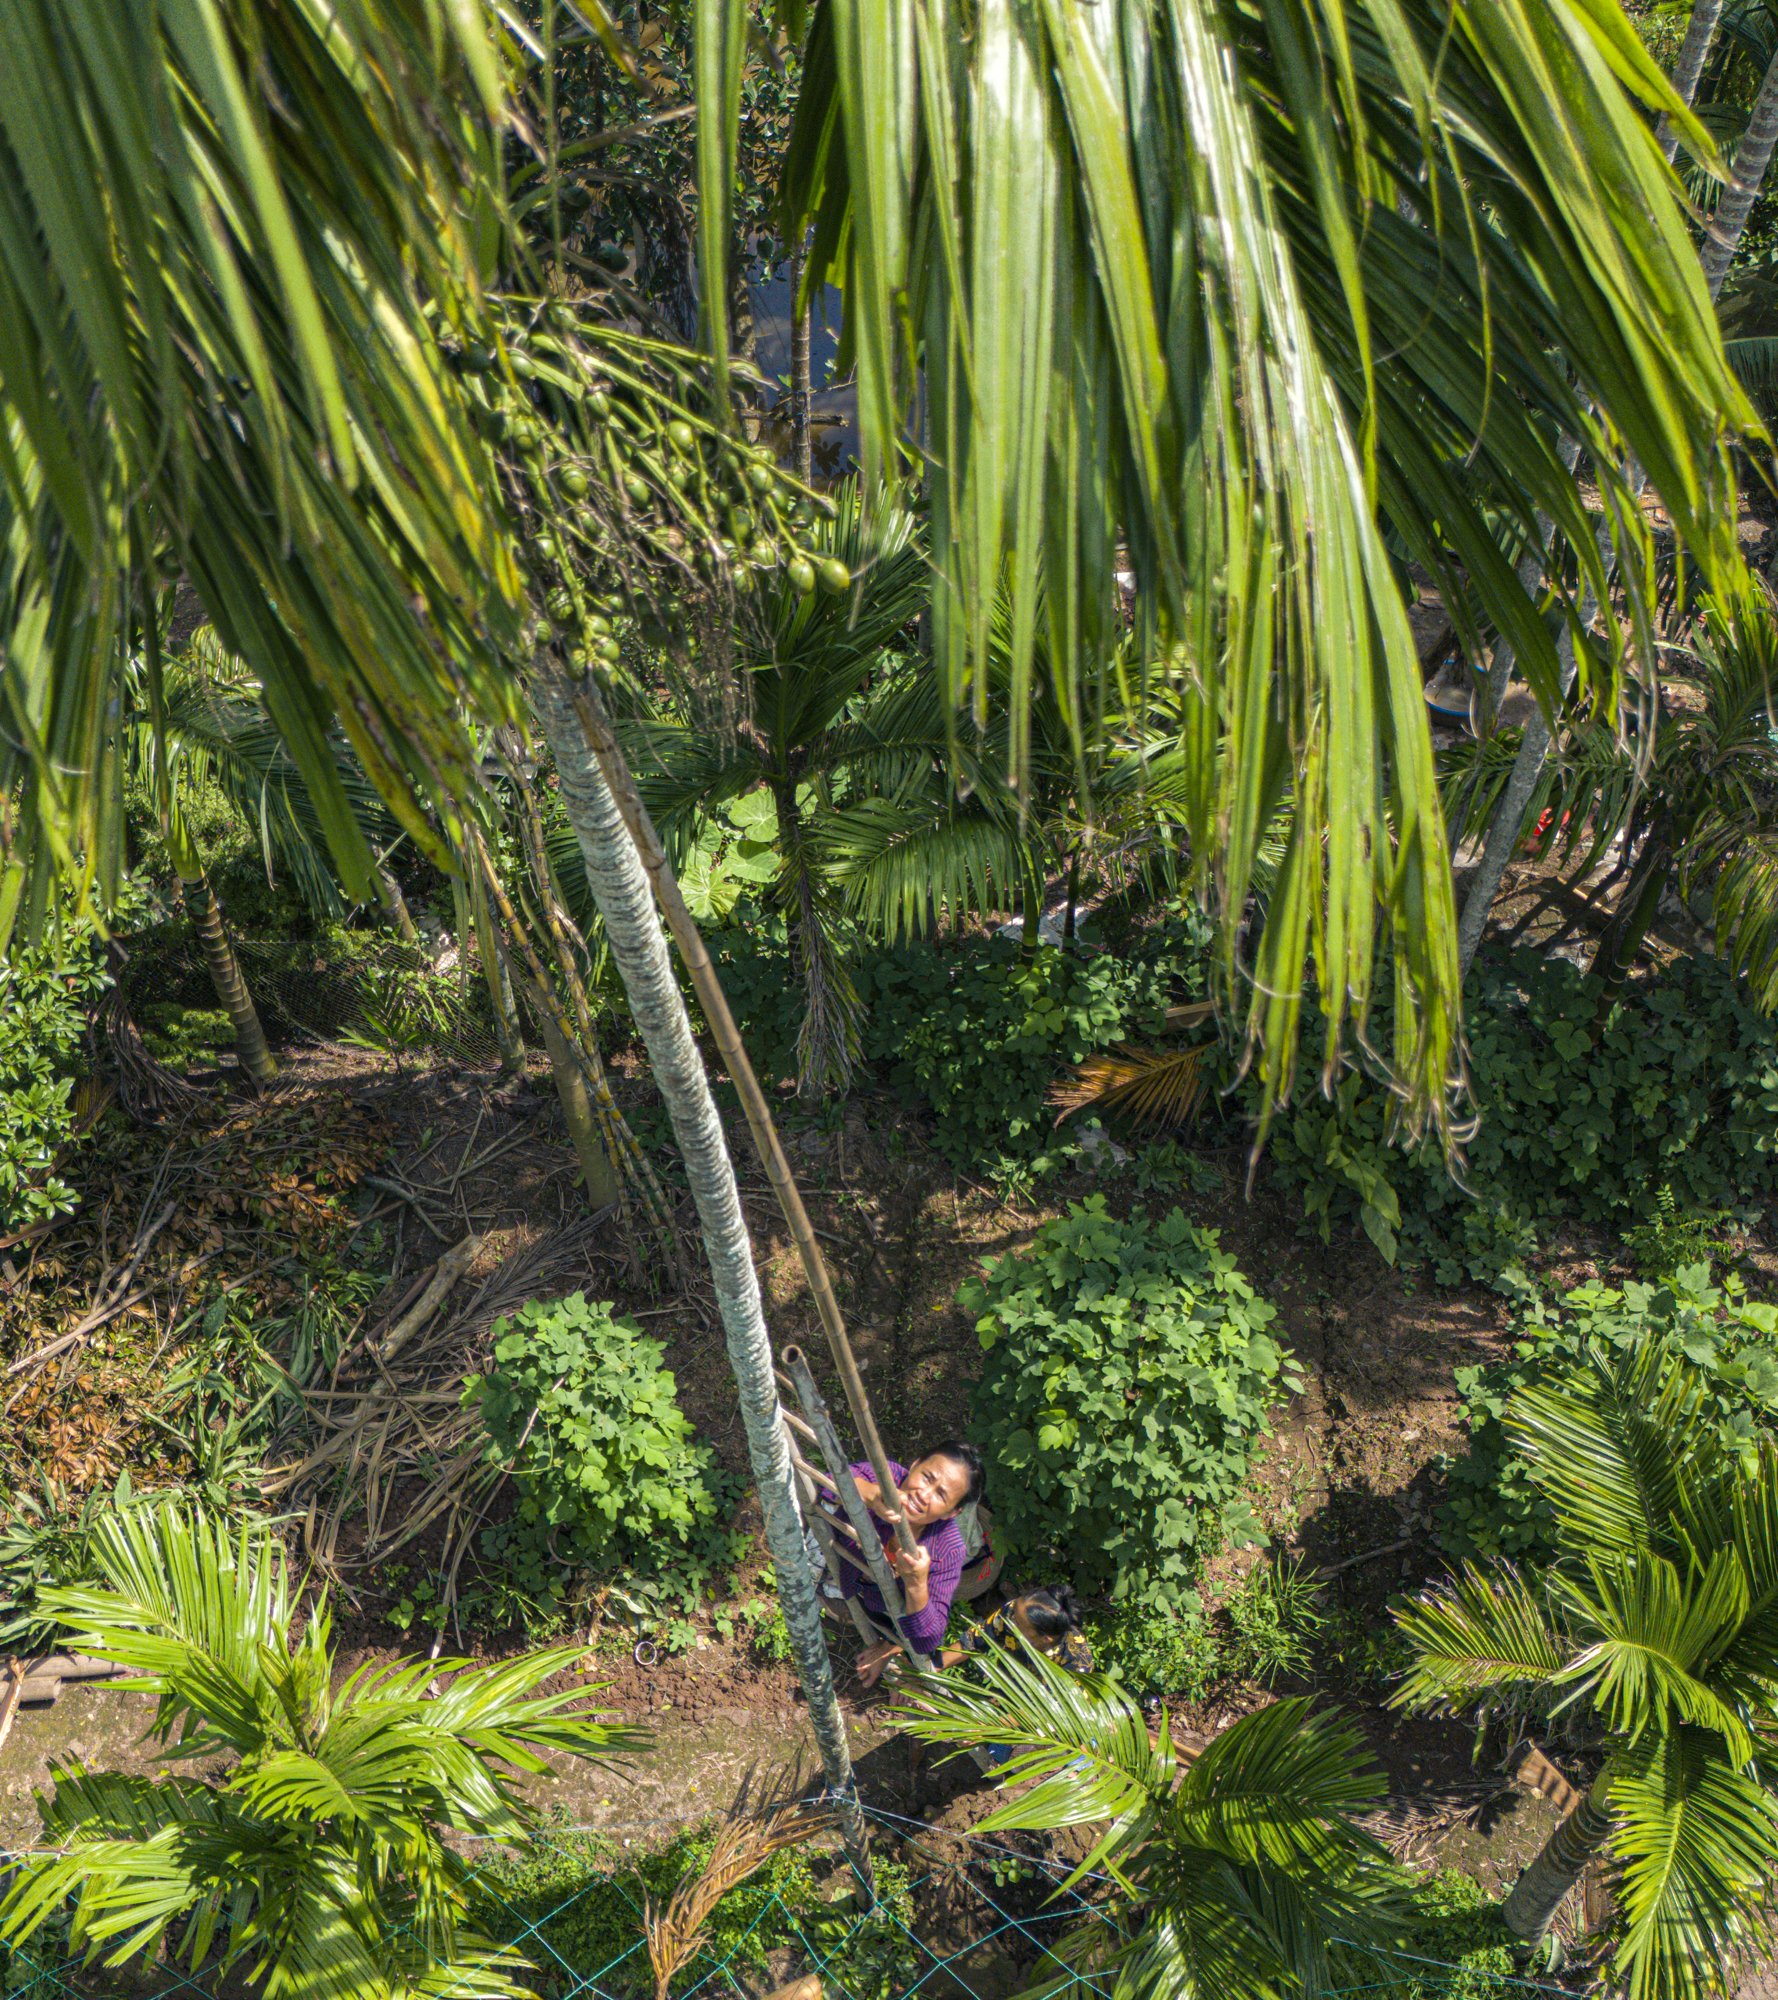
column 944, row 1547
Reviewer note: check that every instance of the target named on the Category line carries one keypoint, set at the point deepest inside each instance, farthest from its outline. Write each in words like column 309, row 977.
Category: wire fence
column 860, row 1952
column 363, row 989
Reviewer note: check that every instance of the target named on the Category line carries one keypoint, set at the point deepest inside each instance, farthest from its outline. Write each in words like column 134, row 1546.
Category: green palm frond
column 1486, row 1633
column 208, row 731
column 259, row 320
column 1754, row 361
column 1754, row 1529
column 902, row 864
column 1650, row 1634
column 1606, row 1444
column 1247, row 1861
column 941, row 168
column 1697, row 1844
column 1080, row 1737
column 1281, row 1786
column 314, row 1858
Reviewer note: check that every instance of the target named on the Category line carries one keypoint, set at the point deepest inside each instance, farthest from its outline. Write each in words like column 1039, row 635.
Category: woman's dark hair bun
column 966, row 1456
column 1053, row 1611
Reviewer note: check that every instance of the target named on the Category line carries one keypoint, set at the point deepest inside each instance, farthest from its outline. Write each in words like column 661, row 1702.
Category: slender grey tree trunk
column 1721, row 241
column 395, row 904
column 802, row 451
column 1700, row 32
column 1532, row 1902
column 497, row 977
column 633, row 931
column 225, row 975
column 1754, row 154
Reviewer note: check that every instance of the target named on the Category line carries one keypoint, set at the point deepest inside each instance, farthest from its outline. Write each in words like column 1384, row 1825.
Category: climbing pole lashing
column 857, row 1527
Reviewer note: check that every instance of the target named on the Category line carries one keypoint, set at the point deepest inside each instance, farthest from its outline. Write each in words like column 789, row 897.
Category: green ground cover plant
column 1493, row 1509
column 610, row 1472
column 1675, row 1099
column 46, row 995
column 1456, row 1947
column 1126, row 1376
column 1154, row 1653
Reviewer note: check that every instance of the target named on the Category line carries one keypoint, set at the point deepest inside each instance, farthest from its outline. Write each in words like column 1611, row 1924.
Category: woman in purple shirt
column 928, row 1493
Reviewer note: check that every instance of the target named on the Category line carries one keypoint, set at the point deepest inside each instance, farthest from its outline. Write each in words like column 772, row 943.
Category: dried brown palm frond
column 747, row 1840
column 1145, row 1085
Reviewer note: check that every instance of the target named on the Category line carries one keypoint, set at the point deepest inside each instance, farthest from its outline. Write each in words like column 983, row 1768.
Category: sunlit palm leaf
column 1488, row 1632
column 251, row 314
column 1652, row 1633
column 1604, row 1442
column 314, row 1857
column 1699, row 1850
column 1154, row 1087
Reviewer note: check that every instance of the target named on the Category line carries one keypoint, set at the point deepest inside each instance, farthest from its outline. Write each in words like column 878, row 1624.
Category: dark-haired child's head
column 1047, row 1616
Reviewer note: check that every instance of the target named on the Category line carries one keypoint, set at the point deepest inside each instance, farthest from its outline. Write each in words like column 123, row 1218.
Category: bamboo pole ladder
column 820, row 1424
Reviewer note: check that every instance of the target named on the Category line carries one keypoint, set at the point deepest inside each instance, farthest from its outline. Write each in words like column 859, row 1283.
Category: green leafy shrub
column 1457, row 1948
column 1492, row 1509
column 979, row 1029
column 1128, row 1371
column 1668, row 1241
column 584, row 1896
column 607, row 1467
column 45, row 999
column 1678, row 1093
column 181, row 1037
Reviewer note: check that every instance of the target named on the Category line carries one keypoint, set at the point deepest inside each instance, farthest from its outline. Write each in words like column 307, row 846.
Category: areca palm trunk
column 395, row 904
column 1688, row 66
column 498, row 979
column 1754, row 154
column 1531, row 1905
column 802, row 456
column 626, row 903
column 225, row 975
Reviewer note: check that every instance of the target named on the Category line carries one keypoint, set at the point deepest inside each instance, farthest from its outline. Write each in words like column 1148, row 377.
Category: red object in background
column 1542, row 827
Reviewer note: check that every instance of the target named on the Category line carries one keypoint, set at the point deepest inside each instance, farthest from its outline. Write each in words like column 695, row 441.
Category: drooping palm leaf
column 1127, row 353
column 208, row 731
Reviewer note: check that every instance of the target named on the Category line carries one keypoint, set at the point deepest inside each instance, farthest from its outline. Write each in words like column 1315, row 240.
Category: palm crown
column 1659, row 1621
column 317, row 1860
column 1245, row 1872
column 882, row 815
